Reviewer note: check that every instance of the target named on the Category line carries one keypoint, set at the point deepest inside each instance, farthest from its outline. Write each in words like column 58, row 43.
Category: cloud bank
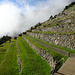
column 20, row 16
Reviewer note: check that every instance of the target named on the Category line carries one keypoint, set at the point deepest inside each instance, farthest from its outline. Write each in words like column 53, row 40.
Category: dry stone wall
column 64, row 40
column 64, row 22
column 68, row 27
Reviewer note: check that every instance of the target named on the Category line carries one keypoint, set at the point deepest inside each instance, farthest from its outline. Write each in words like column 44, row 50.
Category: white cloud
column 9, row 18
column 14, row 20
column 43, row 10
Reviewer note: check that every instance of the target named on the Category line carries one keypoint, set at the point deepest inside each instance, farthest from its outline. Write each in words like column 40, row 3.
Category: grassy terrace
column 56, row 46
column 2, row 53
column 32, row 63
column 52, row 52
column 9, row 65
column 54, row 32
column 46, row 23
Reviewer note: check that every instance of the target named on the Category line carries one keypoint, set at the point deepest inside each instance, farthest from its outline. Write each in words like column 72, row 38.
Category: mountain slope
column 42, row 48
column 58, row 30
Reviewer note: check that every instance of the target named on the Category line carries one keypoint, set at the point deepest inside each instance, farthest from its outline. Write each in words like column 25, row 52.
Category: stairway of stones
column 68, row 67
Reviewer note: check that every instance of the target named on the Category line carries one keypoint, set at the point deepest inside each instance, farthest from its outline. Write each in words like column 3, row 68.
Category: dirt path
column 19, row 60
column 68, row 67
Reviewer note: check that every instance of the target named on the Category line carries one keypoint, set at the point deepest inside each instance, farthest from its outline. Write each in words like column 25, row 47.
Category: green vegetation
column 52, row 52
column 63, row 48
column 46, row 23
column 54, row 32
column 2, row 53
column 32, row 63
column 58, row 56
column 58, row 18
column 70, row 5
column 44, row 32
column 4, row 39
column 9, row 65
column 57, row 24
column 74, row 9
column 56, row 46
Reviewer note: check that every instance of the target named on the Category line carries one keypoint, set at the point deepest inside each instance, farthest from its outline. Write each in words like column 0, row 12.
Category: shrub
column 24, row 32
column 55, row 16
column 20, row 34
column 70, row 5
column 28, row 30
column 58, row 18
column 15, row 38
column 57, row 24
column 4, row 39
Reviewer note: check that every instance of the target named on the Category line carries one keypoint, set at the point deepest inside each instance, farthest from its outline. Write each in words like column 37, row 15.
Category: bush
column 70, row 5
column 20, row 34
column 58, row 18
column 24, row 32
column 28, row 30
column 57, row 24
column 4, row 39
column 55, row 16
column 15, row 38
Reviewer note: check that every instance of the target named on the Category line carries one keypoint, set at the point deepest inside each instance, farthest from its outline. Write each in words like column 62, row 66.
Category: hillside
column 42, row 48
column 58, row 30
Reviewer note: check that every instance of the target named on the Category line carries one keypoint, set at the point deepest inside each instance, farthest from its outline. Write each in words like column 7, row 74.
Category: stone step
column 68, row 67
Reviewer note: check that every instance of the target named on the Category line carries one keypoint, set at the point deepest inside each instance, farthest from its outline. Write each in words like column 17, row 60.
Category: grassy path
column 32, row 63
column 52, row 52
column 48, row 46
column 68, row 67
column 57, row 56
column 56, row 48
column 9, row 66
column 2, row 52
column 19, row 59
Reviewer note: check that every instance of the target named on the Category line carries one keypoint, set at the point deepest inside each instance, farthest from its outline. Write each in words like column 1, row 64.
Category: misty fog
column 15, row 19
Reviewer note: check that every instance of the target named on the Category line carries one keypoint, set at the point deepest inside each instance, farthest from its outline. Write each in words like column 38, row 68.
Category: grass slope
column 2, row 52
column 9, row 66
column 61, row 33
column 32, row 63
column 52, row 52
column 56, row 46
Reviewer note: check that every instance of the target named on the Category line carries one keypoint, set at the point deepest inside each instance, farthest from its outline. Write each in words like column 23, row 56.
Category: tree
column 4, row 39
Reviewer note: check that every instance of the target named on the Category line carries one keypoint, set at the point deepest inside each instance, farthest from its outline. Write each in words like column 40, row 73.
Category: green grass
column 32, row 63
column 2, row 53
column 58, row 18
column 63, row 48
column 74, row 9
column 61, row 33
column 56, row 46
column 9, row 65
column 52, row 52
column 46, row 23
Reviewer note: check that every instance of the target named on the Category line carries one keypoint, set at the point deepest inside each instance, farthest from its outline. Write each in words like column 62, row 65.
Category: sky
column 17, row 16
